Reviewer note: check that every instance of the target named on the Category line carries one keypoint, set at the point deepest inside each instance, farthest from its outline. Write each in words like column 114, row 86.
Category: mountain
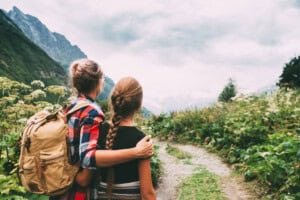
column 54, row 44
column 24, row 61
column 108, row 85
column 267, row 89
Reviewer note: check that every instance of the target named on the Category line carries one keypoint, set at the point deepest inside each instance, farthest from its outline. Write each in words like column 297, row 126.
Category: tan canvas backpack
column 43, row 165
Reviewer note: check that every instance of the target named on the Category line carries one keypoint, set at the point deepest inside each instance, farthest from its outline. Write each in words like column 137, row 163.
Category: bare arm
column 143, row 149
column 105, row 158
column 147, row 190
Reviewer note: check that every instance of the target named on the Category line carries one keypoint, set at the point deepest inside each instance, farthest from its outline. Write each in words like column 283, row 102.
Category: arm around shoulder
column 107, row 158
column 147, row 190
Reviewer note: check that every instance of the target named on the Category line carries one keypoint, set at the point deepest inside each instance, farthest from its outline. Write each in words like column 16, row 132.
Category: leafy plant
column 18, row 102
column 260, row 134
column 156, row 168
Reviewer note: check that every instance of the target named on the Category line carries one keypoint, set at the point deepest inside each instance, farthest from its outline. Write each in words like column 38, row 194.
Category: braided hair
column 125, row 100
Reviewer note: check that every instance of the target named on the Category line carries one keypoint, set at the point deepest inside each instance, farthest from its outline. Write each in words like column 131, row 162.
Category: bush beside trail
column 260, row 135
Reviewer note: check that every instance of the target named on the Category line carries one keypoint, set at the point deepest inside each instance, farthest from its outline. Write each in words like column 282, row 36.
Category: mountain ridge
column 53, row 43
column 24, row 61
column 56, row 45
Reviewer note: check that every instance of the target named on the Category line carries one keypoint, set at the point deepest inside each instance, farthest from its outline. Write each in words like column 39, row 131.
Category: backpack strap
column 78, row 106
column 84, row 103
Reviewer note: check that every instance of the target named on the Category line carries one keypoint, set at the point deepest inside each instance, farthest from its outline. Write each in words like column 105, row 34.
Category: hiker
column 130, row 180
column 87, row 79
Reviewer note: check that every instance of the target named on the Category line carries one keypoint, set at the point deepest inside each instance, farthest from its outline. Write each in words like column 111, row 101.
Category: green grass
column 202, row 185
column 179, row 154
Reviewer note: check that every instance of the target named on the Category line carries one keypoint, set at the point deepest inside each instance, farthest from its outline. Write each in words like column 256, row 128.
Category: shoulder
column 128, row 137
column 92, row 110
column 140, row 134
column 90, row 114
column 136, row 134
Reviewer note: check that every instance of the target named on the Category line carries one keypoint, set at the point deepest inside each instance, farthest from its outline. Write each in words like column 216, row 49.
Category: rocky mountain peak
column 54, row 44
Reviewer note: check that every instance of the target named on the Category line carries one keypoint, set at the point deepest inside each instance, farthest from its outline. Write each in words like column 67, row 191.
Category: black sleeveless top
column 127, row 137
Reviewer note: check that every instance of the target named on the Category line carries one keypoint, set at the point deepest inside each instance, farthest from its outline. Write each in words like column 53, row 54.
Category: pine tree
column 290, row 76
column 228, row 92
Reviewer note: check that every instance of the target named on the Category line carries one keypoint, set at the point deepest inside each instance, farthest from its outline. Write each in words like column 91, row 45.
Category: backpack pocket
column 52, row 169
column 29, row 175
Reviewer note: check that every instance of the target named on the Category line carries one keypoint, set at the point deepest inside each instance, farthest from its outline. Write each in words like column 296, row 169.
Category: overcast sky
column 182, row 52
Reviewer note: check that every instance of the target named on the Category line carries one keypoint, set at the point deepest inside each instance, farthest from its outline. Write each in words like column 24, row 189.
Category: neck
column 93, row 95
column 128, row 121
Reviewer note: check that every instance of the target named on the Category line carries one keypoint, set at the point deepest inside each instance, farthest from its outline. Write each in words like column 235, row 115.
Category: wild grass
column 177, row 153
column 202, row 185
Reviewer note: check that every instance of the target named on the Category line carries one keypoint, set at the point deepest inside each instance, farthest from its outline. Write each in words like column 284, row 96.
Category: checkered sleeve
column 89, row 134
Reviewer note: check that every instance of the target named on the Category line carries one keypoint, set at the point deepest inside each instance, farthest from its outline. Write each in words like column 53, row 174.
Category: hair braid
column 115, row 122
column 116, row 119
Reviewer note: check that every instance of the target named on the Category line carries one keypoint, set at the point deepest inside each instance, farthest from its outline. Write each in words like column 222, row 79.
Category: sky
column 182, row 52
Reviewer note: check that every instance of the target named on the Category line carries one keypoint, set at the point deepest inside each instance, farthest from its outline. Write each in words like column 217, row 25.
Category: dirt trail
column 175, row 171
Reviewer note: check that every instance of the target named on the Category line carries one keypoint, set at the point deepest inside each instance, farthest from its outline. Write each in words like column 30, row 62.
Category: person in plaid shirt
column 88, row 80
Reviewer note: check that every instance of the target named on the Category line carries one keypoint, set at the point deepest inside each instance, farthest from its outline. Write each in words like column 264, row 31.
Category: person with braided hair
column 130, row 180
column 87, row 79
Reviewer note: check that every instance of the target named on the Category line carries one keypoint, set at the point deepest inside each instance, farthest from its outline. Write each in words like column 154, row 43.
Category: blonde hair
column 85, row 75
column 126, row 98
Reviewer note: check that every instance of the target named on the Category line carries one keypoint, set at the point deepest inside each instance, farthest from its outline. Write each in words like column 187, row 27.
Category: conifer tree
column 228, row 92
column 290, row 76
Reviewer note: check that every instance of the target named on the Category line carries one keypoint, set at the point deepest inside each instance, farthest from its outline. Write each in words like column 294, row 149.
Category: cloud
column 296, row 3
column 183, row 53
column 118, row 30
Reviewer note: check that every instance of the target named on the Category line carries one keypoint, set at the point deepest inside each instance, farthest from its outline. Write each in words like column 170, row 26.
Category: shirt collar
column 82, row 96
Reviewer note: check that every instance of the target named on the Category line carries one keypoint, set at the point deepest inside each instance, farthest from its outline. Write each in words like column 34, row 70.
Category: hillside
column 22, row 60
column 258, row 135
column 56, row 45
